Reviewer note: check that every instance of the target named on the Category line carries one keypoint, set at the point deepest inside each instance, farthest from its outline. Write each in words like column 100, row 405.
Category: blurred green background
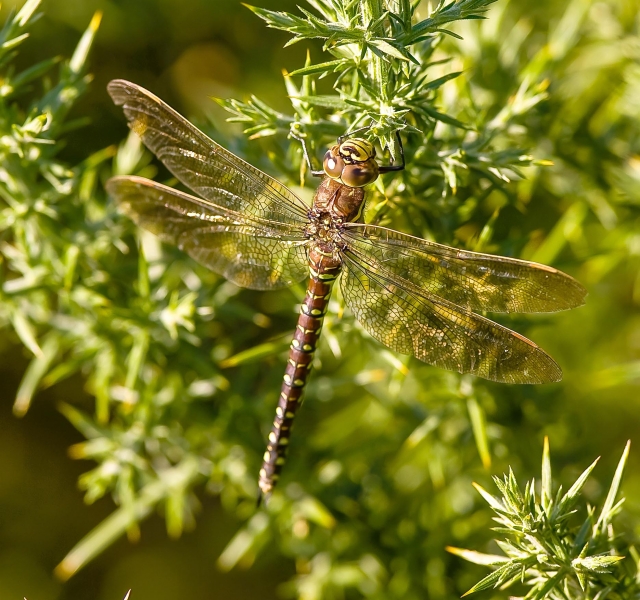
column 189, row 50
column 185, row 52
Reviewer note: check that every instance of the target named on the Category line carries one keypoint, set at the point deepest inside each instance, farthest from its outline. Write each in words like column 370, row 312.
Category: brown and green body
column 334, row 204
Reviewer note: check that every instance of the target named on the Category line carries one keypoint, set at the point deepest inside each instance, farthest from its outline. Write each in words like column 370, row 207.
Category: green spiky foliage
column 184, row 368
column 548, row 550
column 387, row 76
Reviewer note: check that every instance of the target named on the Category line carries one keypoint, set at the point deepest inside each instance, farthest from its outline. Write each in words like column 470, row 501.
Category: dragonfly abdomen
column 324, row 268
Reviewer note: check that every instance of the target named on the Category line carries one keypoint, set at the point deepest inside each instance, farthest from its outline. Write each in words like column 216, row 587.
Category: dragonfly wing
column 407, row 320
column 469, row 279
column 200, row 163
column 252, row 254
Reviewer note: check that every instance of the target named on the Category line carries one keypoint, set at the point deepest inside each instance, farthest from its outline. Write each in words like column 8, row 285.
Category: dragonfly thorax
column 343, row 203
column 323, row 226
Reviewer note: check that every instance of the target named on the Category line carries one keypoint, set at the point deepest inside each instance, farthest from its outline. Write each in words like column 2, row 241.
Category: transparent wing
column 468, row 279
column 258, row 255
column 200, row 163
column 407, row 320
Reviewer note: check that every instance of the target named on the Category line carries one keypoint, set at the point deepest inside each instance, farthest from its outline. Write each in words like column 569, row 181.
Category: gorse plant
column 184, row 368
column 378, row 80
column 60, row 283
column 551, row 554
column 388, row 75
column 41, row 231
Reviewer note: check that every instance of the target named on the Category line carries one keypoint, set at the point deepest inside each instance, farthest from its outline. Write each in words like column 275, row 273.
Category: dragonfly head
column 352, row 163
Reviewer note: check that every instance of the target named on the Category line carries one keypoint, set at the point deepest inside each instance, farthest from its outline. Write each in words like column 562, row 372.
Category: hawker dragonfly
column 416, row 297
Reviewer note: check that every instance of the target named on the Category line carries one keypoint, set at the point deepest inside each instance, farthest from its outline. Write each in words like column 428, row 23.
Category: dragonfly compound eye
column 360, row 174
column 333, row 163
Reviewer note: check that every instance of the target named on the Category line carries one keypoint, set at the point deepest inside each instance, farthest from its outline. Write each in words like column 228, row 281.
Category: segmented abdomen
column 324, row 268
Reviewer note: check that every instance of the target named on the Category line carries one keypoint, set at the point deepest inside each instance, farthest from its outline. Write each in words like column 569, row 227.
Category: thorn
column 95, row 20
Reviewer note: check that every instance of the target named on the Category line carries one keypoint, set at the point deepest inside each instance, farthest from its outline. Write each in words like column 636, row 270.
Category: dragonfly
column 415, row 296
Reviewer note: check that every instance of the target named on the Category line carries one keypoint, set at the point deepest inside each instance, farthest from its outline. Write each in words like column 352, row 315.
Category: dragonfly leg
column 307, row 157
column 351, row 134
